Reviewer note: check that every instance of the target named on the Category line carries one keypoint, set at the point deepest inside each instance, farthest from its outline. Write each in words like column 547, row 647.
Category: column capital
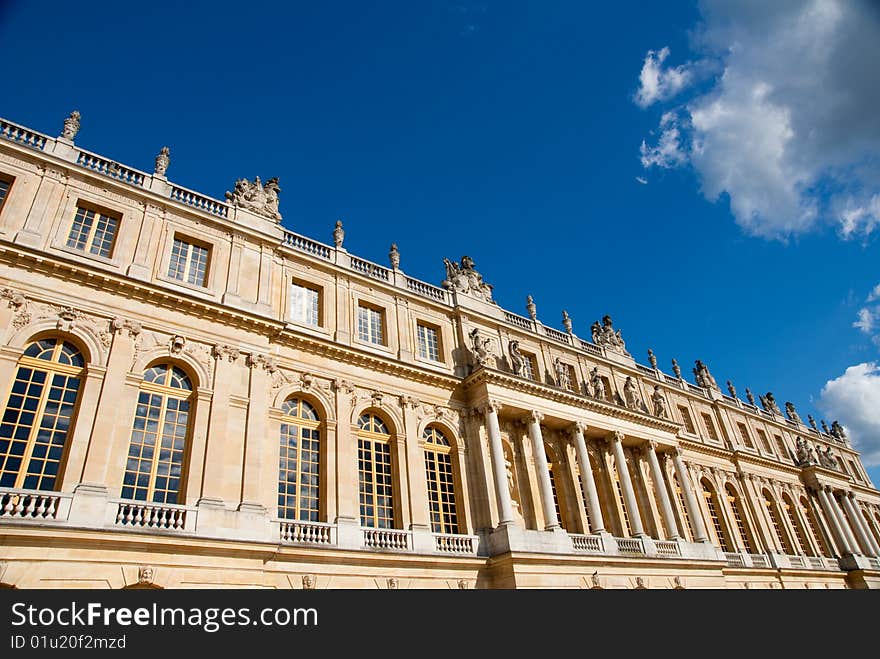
column 651, row 446
column 850, row 495
column 534, row 417
column 677, row 452
column 490, row 406
column 615, row 436
column 578, row 427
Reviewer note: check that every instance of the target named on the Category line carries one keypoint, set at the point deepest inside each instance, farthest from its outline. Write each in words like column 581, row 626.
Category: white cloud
column 854, row 399
column 874, row 294
column 789, row 131
column 659, row 84
column 669, row 151
column 866, row 321
column 642, row 180
column 869, row 316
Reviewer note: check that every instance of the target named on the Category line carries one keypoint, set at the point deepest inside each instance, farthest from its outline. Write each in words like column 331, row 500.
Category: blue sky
column 719, row 199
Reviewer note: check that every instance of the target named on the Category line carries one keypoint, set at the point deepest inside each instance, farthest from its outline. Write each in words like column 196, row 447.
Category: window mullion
column 157, row 447
column 35, row 429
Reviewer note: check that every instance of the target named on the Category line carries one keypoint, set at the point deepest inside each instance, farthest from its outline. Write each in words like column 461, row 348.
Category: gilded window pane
column 441, row 482
column 299, row 465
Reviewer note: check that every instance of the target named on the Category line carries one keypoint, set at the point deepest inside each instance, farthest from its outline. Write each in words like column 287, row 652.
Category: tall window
column 788, row 506
column 93, row 232
column 441, row 482
column 773, row 512
column 305, row 304
column 721, row 539
column 679, row 495
column 5, row 184
column 429, row 342
column 371, row 325
column 686, row 418
column 783, row 449
column 529, row 366
column 735, row 506
column 158, row 436
column 807, row 512
column 765, row 441
column 300, row 462
column 375, row 484
column 554, row 491
column 38, row 414
column 189, row 262
column 710, row 427
column 744, row 433
column 583, row 496
column 621, row 501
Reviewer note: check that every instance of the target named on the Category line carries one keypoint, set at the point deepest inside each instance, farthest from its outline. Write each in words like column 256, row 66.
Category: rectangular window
column 5, row 184
column 765, row 441
column 530, row 366
column 744, row 433
column 710, row 427
column 572, row 380
column 686, row 418
column 854, row 471
column 783, row 449
column 189, row 262
column 428, row 338
column 93, row 231
column 371, row 325
column 305, row 304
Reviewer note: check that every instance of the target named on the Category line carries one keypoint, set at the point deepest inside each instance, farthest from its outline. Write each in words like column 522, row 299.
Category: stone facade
column 212, row 354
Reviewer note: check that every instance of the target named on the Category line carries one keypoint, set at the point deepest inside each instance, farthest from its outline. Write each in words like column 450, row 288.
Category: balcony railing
column 310, row 533
column 303, row 244
column 165, row 517
column 386, row 539
column 667, row 548
column 556, row 335
column 630, row 545
column 448, row 543
column 425, row 290
column 33, row 504
column 590, row 348
column 22, row 135
column 370, row 269
column 111, row 168
column 734, row 559
column 590, row 543
column 519, row 321
column 199, row 201
column 759, row 560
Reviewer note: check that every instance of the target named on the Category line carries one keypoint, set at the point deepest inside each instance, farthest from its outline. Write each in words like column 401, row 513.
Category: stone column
column 629, row 495
column 215, row 485
column 533, row 421
column 858, row 523
column 844, row 523
column 660, row 489
column 415, row 467
column 597, row 524
column 693, row 510
column 813, row 546
column 820, row 517
column 505, row 505
column 830, row 513
column 255, row 493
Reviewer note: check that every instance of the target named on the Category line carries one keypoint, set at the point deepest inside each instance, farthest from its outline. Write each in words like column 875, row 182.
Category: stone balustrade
column 309, row 533
column 386, row 539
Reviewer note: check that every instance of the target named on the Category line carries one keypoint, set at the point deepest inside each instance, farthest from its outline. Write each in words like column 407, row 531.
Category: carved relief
column 605, row 335
column 256, row 197
column 308, row 582
column 145, row 575
column 230, row 353
column 462, row 277
column 176, row 344
column 481, row 347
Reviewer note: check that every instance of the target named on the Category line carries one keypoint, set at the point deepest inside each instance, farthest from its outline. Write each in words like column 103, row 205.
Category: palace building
column 194, row 396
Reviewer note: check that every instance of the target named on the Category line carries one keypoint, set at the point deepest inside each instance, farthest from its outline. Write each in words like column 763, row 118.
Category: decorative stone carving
column 731, row 389
column 825, row 427
column 605, row 335
column 566, row 322
column 803, row 453
column 640, row 583
column 463, row 278
column 531, row 308
column 18, row 302
column 338, row 234
column 828, row 459
column 631, row 395
column 376, row 398
column 394, row 256
column 676, row 583
column 67, row 317
column 393, row 583
column 71, row 126
column 594, row 580
column 703, row 377
column 768, row 402
column 597, row 385
column 749, row 396
column 278, row 379
column 256, row 197
column 480, row 347
column 837, row 430
column 462, row 584
column 145, row 575
column 306, row 380
column 176, row 344
column 659, row 403
column 563, row 379
column 791, row 413
column 652, row 359
column 517, row 359
column 162, row 161
column 132, row 327
column 308, row 582
column 676, row 369
column 230, row 353
column 812, row 422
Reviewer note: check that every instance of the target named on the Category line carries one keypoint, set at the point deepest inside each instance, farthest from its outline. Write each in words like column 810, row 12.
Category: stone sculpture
column 162, row 161
column 71, row 126
column 605, row 335
column 659, row 403
column 517, row 359
column 566, row 322
column 338, row 234
column 394, row 256
column 463, row 278
column 703, row 377
column 562, row 376
column 597, row 385
column 480, row 347
column 791, row 413
column 256, row 197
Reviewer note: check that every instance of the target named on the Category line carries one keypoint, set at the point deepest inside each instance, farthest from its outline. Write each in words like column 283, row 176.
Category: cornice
column 486, row 375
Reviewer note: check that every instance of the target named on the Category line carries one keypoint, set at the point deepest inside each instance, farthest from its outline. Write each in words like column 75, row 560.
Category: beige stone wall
column 245, row 356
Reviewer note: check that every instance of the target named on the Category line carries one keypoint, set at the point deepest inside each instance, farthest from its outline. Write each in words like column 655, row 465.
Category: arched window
column 739, row 519
column 550, row 467
column 441, row 481
column 38, row 414
column 375, row 481
column 721, row 539
column 300, row 462
column 788, row 506
column 773, row 511
column 807, row 512
column 683, row 511
column 159, row 436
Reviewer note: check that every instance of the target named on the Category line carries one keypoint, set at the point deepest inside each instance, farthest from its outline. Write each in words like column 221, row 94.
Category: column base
column 348, row 533
column 88, row 507
column 510, row 538
column 249, row 522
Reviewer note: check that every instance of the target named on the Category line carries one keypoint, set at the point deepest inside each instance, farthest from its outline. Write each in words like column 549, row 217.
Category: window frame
column 448, row 451
column 373, row 438
column 315, row 426
column 99, row 212
column 440, row 344
column 309, row 286
column 192, row 242
column 9, row 180
column 383, row 316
